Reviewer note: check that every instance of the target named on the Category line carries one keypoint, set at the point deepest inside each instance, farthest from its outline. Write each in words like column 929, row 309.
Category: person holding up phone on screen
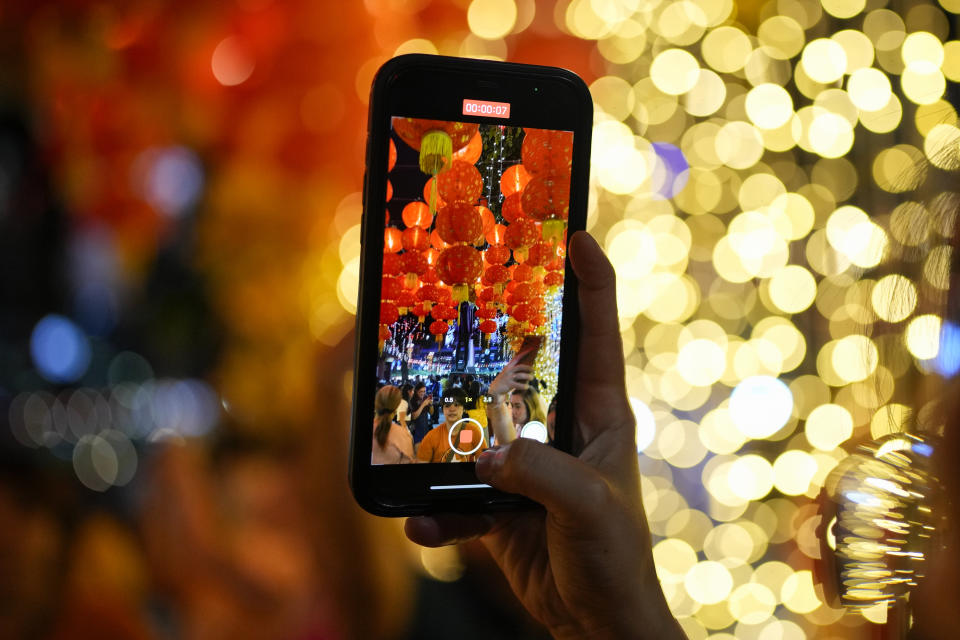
column 583, row 564
column 514, row 403
column 420, row 412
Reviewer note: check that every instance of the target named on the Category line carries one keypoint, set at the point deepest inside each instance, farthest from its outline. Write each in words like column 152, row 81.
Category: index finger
column 601, row 348
column 600, row 374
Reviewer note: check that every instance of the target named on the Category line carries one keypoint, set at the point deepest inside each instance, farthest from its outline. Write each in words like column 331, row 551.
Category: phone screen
column 473, row 268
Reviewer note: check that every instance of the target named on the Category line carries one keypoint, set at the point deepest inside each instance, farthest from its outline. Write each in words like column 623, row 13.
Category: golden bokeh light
column 854, row 357
column 782, row 36
column 941, row 144
column 893, row 168
column 726, row 49
column 769, row 106
column 708, row 582
column 798, row 593
column 857, row 46
column 894, row 297
column 922, row 50
column 793, row 288
column 923, row 336
column 923, row 84
column 674, row 559
column 793, row 471
column 891, row 418
column 626, row 45
column 674, row 71
column 751, row 477
column 824, row 60
column 828, row 426
column 843, row 8
column 752, row 603
column 936, row 267
column 869, row 89
column 707, row 95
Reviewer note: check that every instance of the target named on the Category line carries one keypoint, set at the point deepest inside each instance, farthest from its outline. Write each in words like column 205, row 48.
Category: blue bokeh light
column 672, row 170
column 170, row 179
column 947, row 361
column 60, row 350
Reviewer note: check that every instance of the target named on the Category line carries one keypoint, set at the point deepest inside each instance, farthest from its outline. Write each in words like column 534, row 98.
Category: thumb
column 563, row 484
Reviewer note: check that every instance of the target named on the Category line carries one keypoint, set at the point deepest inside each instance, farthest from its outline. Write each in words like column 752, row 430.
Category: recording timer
column 486, row 108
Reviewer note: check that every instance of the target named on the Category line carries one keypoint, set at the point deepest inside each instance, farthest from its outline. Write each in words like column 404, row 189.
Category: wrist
column 496, row 397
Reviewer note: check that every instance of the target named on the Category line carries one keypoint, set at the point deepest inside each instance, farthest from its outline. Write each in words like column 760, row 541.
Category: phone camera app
column 472, row 276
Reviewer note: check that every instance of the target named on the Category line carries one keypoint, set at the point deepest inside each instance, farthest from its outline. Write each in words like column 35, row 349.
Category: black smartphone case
column 558, row 99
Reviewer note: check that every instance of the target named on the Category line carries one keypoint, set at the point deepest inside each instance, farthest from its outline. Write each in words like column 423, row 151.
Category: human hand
column 513, row 376
column 583, row 564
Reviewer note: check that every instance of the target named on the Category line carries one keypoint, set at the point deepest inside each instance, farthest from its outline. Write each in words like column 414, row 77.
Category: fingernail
column 490, row 461
column 485, row 462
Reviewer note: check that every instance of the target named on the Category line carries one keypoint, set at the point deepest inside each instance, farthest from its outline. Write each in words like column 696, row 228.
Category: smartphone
column 477, row 174
column 529, row 348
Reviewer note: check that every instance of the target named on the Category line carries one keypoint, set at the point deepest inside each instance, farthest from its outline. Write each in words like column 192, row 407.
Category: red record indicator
column 486, row 108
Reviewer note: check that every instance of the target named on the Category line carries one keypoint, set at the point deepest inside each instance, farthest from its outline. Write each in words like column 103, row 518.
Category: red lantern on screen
column 514, row 179
column 406, row 301
column 436, row 140
column 488, row 327
column 512, row 210
column 523, row 312
column 496, row 234
column 472, row 152
column 487, row 219
column 391, row 264
column 414, row 263
column 557, row 263
column 445, row 312
column 546, row 151
column 486, row 295
column 460, row 266
column 429, row 295
column 547, row 198
column 429, row 275
column 390, row 288
column 523, row 273
column 421, row 310
column 389, row 313
column 436, row 241
column 415, row 239
column 496, row 276
column 520, row 235
column 444, row 294
column 459, row 222
column 392, row 156
column 496, row 255
column 486, row 312
column 541, row 254
column 417, row 214
column 392, row 239
column 526, row 291
column 439, row 329
column 389, row 191
column 461, row 182
column 553, row 279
